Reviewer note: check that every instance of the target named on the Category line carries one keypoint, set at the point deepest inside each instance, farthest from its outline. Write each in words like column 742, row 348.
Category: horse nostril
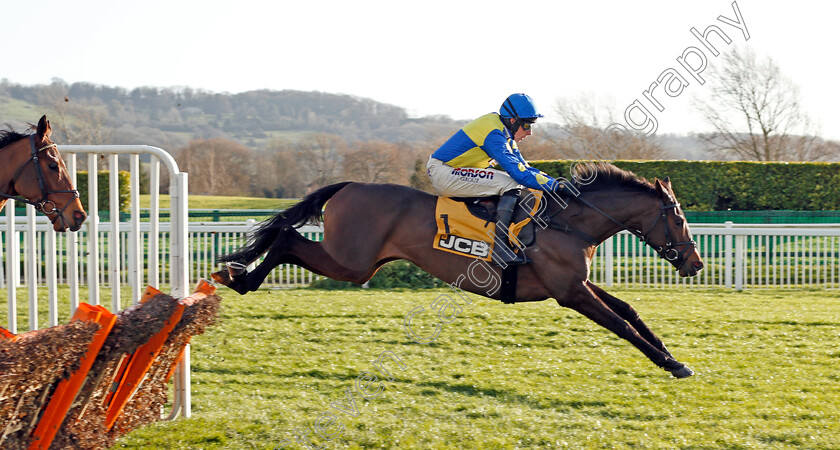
column 79, row 217
column 698, row 265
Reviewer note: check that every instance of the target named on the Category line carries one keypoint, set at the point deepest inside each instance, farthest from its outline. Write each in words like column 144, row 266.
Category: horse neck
column 12, row 161
column 632, row 208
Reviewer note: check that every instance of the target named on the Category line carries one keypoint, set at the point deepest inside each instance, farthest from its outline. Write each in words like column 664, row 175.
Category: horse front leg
column 626, row 312
column 585, row 301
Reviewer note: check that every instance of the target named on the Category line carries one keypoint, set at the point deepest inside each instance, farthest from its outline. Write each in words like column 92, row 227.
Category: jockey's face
column 521, row 133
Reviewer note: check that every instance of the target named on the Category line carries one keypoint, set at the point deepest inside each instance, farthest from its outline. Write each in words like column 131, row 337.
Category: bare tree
column 217, row 166
column 757, row 114
column 279, row 172
column 76, row 122
column 377, row 162
column 587, row 134
column 320, row 159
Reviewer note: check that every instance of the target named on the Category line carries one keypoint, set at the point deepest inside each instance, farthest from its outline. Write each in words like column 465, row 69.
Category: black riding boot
column 503, row 252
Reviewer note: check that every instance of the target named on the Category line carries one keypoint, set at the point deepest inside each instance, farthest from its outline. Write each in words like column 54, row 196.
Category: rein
column 668, row 252
column 45, row 205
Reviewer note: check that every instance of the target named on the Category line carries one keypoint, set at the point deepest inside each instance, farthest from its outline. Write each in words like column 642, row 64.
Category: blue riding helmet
column 519, row 106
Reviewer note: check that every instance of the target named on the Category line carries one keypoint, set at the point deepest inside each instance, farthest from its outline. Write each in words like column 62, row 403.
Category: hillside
column 170, row 117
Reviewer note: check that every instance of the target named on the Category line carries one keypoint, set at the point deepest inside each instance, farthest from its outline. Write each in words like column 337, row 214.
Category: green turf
column 514, row 376
column 225, row 202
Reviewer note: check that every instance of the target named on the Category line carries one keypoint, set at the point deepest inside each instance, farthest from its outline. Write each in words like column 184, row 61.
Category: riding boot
column 504, row 253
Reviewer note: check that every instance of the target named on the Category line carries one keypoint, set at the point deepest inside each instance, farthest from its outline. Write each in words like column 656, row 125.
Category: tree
column 279, row 173
column 319, row 159
column 419, row 178
column 217, row 166
column 77, row 121
column 586, row 120
column 376, row 162
column 756, row 112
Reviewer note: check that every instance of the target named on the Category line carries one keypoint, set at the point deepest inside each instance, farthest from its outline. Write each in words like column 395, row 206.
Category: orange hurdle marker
column 142, row 359
column 116, row 380
column 67, row 390
column 6, row 334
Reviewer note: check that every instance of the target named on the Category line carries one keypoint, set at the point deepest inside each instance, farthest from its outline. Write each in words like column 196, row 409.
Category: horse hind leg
column 313, row 256
column 292, row 248
column 236, row 277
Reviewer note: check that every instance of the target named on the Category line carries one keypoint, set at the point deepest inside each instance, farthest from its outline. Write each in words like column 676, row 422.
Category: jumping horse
column 33, row 172
column 367, row 225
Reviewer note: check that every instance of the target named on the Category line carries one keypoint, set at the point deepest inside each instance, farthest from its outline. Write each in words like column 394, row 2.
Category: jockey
column 461, row 167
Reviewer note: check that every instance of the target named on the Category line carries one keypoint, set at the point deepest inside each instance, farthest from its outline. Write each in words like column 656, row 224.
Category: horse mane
column 597, row 176
column 10, row 136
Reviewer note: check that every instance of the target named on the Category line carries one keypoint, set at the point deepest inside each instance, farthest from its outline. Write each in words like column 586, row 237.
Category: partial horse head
column 33, row 169
column 672, row 238
column 651, row 212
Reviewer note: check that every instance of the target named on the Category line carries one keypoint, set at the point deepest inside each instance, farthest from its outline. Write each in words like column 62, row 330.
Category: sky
column 459, row 59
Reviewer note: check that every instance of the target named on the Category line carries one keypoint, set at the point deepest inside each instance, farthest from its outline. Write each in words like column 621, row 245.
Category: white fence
column 736, row 256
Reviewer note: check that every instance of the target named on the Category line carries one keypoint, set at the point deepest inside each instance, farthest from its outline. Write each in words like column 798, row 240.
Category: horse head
column 41, row 178
column 650, row 211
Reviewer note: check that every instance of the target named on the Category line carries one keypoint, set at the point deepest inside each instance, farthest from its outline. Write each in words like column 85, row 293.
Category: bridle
column 669, row 251
column 45, row 205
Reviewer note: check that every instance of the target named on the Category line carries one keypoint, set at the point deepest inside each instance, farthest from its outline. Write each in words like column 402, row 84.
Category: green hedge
column 737, row 185
column 104, row 189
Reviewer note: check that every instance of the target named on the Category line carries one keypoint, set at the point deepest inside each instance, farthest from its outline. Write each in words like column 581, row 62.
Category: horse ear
column 44, row 128
column 667, row 181
column 658, row 185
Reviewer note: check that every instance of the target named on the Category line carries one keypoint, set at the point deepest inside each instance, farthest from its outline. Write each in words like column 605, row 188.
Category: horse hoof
column 682, row 372
column 221, row 277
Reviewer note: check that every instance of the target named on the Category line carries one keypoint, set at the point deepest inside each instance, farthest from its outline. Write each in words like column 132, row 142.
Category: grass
column 225, row 202
column 18, row 109
column 512, row 376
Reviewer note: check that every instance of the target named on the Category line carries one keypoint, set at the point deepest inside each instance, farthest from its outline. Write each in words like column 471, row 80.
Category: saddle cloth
column 471, row 233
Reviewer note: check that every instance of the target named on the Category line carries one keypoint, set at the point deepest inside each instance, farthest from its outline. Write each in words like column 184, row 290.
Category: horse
column 33, row 172
column 367, row 225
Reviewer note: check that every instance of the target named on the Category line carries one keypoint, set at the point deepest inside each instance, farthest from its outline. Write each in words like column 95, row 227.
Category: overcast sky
column 455, row 58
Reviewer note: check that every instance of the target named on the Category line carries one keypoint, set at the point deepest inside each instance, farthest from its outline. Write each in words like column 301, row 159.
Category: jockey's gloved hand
column 564, row 187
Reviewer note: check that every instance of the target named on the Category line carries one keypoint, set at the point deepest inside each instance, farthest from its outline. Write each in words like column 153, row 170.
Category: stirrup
column 505, row 259
column 504, row 254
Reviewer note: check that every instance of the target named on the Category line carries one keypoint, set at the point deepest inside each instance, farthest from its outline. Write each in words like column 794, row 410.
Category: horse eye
column 53, row 167
column 679, row 222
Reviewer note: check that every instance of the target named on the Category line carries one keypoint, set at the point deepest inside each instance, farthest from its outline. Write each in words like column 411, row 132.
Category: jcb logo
column 466, row 246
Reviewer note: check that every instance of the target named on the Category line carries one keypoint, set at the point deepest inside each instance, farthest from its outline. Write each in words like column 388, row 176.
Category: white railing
column 736, row 256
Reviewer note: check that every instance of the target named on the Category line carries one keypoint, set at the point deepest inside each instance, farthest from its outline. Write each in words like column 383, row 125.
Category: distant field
column 12, row 108
column 220, row 202
column 513, row 376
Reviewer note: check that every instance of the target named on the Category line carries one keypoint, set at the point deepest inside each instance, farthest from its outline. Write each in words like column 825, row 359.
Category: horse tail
column 311, row 207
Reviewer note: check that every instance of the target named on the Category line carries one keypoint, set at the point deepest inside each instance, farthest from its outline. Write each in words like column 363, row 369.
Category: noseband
column 45, row 205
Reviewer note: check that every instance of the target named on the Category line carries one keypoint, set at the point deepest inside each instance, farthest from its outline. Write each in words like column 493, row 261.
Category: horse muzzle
column 71, row 221
column 691, row 267
column 78, row 219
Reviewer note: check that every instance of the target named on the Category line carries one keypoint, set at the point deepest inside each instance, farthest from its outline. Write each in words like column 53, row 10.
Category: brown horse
column 33, row 170
column 367, row 225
